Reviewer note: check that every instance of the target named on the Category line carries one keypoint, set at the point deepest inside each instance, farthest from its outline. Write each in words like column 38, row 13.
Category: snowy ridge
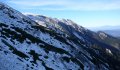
column 42, row 43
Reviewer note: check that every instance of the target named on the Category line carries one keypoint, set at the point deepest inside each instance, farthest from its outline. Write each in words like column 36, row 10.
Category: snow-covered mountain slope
column 51, row 23
column 54, row 45
column 84, row 35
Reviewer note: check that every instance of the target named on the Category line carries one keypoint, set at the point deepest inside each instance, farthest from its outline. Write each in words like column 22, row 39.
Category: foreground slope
column 27, row 45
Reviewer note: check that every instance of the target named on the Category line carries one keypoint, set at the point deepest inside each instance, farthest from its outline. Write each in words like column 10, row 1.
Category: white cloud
column 37, row 2
column 68, row 4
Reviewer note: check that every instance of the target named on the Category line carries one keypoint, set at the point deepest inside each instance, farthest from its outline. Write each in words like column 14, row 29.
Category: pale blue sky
column 88, row 13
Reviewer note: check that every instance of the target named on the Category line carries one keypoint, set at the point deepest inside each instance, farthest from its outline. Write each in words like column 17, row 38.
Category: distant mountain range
column 115, row 33
column 111, row 30
column 105, row 28
column 36, row 42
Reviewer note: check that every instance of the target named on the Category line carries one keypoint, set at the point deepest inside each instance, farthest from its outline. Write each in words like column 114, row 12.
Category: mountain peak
column 102, row 35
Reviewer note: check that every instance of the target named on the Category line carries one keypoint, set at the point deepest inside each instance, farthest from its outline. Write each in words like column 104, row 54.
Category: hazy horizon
column 87, row 13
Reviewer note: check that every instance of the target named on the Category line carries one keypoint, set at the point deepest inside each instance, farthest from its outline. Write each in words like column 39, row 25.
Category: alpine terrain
column 36, row 42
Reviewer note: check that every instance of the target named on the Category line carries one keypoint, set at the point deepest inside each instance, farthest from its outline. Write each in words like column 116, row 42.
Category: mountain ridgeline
column 36, row 42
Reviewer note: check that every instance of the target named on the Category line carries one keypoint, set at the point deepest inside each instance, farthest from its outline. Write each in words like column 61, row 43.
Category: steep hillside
column 84, row 35
column 25, row 44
